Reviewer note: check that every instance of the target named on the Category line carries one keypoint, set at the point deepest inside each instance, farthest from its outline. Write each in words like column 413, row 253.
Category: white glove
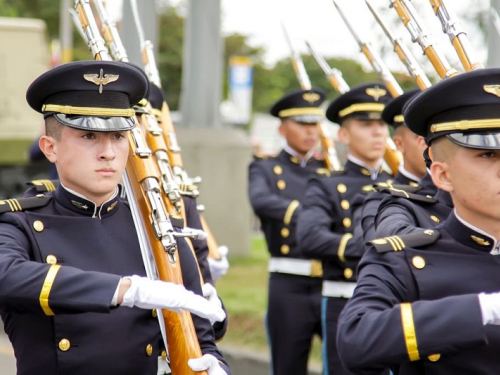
column 156, row 294
column 219, row 267
column 209, row 363
column 210, row 293
column 490, row 307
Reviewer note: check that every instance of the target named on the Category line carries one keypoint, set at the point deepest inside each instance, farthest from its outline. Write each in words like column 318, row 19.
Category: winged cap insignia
column 376, row 92
column 492, row 89
column 101, row 79
column 311, row 97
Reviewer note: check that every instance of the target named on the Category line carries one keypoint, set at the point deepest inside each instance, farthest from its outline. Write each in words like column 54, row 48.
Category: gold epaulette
column 21, row 204
column 43, row 186
column 323, row 171
column 395, row 191
column 398, row 243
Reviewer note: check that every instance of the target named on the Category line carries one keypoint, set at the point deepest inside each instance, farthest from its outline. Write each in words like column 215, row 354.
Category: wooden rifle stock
column 457, row 34
column 143, row 188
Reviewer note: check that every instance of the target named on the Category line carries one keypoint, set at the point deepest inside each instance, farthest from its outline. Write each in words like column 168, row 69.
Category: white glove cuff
column 129, row 296
column 490, row 307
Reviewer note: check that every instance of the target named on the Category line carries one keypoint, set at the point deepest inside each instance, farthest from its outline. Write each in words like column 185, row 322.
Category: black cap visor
column 98, row 124
column 481, row 141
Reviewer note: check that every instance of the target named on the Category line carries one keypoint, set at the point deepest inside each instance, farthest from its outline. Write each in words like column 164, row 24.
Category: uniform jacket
column 416, row 308
column 325, row 224
column 276, row 189
column 60, row 264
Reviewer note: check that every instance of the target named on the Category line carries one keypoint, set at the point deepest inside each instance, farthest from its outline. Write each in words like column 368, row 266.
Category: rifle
column 155, row 231
column 327, row 144
column 187, row 185
column 152, row 131
column 391, row 156
column 403, row 52
column 334, row 76
column 408, row 15
column 458, row 36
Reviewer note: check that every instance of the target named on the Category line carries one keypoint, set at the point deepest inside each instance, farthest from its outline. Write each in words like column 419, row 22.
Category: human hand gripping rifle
column 458, row 36
column 156, row 235
column 329, row 152
column 408, row 15
column 187, row 185
column 403, row 52
column 391, row 156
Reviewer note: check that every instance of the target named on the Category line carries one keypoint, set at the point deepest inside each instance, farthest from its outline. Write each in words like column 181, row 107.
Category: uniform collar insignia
column 492, row 89
column 111, row 206
column 480, row 241
column 101, row 79
column 80, row 205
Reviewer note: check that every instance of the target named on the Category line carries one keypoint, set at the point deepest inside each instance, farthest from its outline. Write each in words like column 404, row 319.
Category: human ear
column 343, row 135
column 48, row 145
column 440, row 175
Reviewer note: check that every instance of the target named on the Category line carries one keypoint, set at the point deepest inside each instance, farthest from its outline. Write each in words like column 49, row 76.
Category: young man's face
column 90, row 163
column 301, row 137
column 365, row 138
column 412, row 150
column 473, row 179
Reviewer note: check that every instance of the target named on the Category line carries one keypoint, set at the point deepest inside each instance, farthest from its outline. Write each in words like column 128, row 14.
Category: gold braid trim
column 409, row 331
column 46, row 288
column 88, row 111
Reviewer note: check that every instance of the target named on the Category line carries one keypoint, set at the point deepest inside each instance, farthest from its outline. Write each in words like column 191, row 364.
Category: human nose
column 106, row 151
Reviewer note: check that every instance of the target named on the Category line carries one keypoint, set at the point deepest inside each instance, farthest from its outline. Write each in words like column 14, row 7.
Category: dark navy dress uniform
column 276, row 188
column 66, row 257
column 417, row 307
column 326, row 223
column 62, row 257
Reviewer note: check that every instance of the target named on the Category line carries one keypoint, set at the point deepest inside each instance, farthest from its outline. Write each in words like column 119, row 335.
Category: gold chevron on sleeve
column 47, row 287
column 290, row 210
column 409, row 331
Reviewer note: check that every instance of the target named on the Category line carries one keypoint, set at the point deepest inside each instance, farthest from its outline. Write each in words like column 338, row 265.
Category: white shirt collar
column 304, row 160
column 407, row 174
column 374, row 171
column 496, row 244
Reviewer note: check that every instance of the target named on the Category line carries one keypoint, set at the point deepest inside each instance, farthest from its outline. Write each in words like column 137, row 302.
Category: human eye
column 487, row 154
column 118, row 136
column 89, row 135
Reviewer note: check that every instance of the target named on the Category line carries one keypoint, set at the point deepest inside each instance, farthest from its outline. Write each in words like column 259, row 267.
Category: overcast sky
column 318, row 22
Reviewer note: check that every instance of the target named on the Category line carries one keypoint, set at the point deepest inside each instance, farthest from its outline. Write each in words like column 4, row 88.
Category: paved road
column 7, row 361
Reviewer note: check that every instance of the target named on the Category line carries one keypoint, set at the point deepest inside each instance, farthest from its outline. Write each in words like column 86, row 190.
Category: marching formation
column 387, row 250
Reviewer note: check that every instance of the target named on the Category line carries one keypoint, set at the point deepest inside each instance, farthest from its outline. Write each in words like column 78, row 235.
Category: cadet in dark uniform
column 324, row 227
column 428, row 302
column 408, row 178
column 404, row 210
column 276, row 188
column 74, row 296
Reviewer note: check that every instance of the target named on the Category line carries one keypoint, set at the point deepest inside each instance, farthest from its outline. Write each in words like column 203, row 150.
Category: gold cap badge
column 376, row 92
column 311, row 97
column 101, row 79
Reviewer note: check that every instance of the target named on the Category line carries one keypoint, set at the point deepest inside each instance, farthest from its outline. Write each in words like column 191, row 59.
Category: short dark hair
column 53, row 128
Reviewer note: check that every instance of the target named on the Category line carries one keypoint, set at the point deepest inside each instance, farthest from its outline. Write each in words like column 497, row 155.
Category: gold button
column 278, row 170
column 316, row 268
column 348, row 273
column 341, row 188
column 154, row 313
column 295, row 160
column 418, row 262
column 285, row 249
column 285, row 232
column 366, row 172
column 38, row 226
column 347, row 222
column 281, row 184
column 64, row 345
column 164, row 355
column 344, row 204
column 434, row 357
column 51, row 259
column 435, row 218
column 149, row 350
